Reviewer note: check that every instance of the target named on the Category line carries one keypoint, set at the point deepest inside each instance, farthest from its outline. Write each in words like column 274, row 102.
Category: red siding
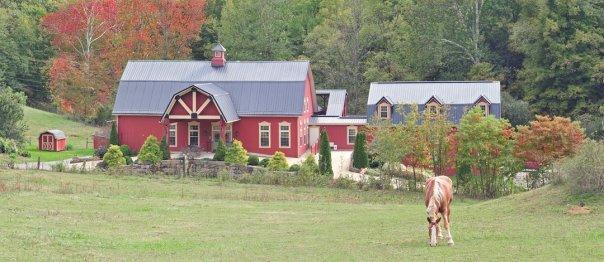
column 57, row 144
column 339, row 136
column 133, row 130
column 246, row 130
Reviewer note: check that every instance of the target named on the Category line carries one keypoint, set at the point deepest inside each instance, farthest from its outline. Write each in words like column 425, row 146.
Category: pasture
column 78, row 134
column 54, row 216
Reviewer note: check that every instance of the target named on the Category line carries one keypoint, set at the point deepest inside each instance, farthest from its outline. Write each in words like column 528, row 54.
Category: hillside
column 79, row 135
column 54, row 216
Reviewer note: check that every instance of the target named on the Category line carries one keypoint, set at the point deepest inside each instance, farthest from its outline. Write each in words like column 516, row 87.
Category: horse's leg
column 439, row 231
column 448, row 227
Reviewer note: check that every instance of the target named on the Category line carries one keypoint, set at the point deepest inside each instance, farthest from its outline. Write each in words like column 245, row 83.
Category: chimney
column 219, row 59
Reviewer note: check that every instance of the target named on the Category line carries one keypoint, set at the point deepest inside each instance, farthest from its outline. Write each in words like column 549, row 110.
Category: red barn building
column 52, row 140
column 267, row 105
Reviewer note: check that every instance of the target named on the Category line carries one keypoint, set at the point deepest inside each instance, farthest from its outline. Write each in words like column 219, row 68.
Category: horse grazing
column 438, row 198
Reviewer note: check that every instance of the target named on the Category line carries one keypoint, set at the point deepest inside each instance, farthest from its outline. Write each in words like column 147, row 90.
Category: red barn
column 267, row 105
column 52, row 140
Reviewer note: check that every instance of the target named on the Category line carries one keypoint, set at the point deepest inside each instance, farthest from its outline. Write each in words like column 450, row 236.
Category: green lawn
column 52, row 216
column 78, row 134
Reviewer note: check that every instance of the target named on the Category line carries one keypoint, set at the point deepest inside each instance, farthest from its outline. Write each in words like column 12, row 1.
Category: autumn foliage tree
column 548, row 139
column 95, row 39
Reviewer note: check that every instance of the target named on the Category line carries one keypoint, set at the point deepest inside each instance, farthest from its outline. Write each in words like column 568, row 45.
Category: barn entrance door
column 47, row 142
column 228, row 134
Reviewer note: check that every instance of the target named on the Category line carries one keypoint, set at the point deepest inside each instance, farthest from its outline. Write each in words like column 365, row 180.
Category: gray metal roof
column 255, row 88
column 219, row 48
column 334, row 120
column 58, row 134
column 202, row 71
column 336, row 102
column 462, row 92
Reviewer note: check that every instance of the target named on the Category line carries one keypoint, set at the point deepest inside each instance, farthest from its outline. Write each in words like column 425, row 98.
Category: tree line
column 70, row 54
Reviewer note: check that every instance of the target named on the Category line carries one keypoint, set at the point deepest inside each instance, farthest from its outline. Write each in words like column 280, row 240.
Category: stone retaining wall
column 198, row 167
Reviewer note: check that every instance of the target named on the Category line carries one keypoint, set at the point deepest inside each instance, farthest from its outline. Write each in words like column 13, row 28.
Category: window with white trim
column 264, row 134
column 384, row 111
column 284, row 135
column 172, row 133
column 351, row 134
column 484, row 107
column 193, row 134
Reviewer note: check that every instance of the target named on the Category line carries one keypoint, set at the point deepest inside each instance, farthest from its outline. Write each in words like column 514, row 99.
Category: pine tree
column 114, row 157
column 220, row 152
column 325, row 155
column 164, row 149
column 359, row 155
column 150, row 151
column 113, row 138
column 278, row 162
column 236, row 154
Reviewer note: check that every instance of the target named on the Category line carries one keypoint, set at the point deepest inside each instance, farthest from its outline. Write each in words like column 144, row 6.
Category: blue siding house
column 387, row 99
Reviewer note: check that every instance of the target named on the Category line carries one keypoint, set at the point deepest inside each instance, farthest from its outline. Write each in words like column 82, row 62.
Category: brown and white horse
column 438, row 198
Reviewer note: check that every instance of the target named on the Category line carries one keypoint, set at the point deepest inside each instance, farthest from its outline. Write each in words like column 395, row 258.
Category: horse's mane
column 437, row 196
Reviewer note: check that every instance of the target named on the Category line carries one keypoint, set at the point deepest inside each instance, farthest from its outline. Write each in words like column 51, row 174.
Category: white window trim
column 388, row 113
column 289, row 134
column 356, row 133
column 435, row 105
column 267, row 124
column 175, row 134
column 189, row 133
column 486, row 106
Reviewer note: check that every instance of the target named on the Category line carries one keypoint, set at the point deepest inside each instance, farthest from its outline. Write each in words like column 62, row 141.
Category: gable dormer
column 384, row 108
column 484, row 104
column 433, row 105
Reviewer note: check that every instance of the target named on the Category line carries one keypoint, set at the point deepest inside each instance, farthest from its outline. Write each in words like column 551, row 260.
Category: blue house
column 387, row 100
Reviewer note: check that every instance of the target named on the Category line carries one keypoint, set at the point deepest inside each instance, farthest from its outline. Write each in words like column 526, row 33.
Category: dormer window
column 434, row 106
column 484, row 105
column 384, row 108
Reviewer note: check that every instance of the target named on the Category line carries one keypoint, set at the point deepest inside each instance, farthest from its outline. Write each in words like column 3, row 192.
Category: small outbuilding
column 52, row 140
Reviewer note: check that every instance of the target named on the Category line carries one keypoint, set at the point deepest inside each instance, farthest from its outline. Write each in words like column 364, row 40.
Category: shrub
column 309, row 170
column 100, row 152
column 253, row 160
column 264, row 162
column 113, row 137
column 126, row 150
column 12, row 125
column 516, row 111
column 344, row 183
column 294, row 168
column 150, row 151
column 236, row 154
column 220, row 152
column 128, row 160
column 114, row 157
column 165, row 150
column 58, row 167
column 584, row 172
column 8, row 146
column 359, row 155
column 325, row 155
column 69, row 147
column 24, row 153
column 278, row 162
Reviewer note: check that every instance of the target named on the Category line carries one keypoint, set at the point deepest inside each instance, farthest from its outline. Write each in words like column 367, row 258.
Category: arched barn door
column 47, row 143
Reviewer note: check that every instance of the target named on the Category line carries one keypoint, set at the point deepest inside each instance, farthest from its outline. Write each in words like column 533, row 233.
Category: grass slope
column 53, row 216
column 77, row 134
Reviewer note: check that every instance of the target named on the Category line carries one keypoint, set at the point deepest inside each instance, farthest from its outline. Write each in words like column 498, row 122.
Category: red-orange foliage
column 548, row 139
column 95, row 39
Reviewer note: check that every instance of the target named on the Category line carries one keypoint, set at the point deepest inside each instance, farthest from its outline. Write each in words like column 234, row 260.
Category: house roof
column 58, row 134
column 221, row 98
column 336, row 101
column 447, row 92
column 256, row 88
column 335, row 120
column 219, row 48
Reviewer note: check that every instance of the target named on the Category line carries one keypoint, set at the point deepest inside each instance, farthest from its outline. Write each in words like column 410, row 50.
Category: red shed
column 52, row 140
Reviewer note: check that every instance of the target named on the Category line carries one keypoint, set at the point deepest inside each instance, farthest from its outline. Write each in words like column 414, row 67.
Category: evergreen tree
column 325, row 155
column 11, row 114
column 220, row 152
column 150, row 151
column 114, row 157
column 165, row 150
column 113, row 138
column 359, row 155
column 278, row 162
column 236, row 154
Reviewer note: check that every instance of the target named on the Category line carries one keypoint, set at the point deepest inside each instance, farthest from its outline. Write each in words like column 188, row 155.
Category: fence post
column 38, row 166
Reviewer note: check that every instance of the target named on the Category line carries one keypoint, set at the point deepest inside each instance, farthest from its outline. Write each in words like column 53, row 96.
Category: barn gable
column 202, row 101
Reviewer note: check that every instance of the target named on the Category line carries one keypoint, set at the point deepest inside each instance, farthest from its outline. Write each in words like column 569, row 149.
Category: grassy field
column 52, row 216
column 77, row 135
